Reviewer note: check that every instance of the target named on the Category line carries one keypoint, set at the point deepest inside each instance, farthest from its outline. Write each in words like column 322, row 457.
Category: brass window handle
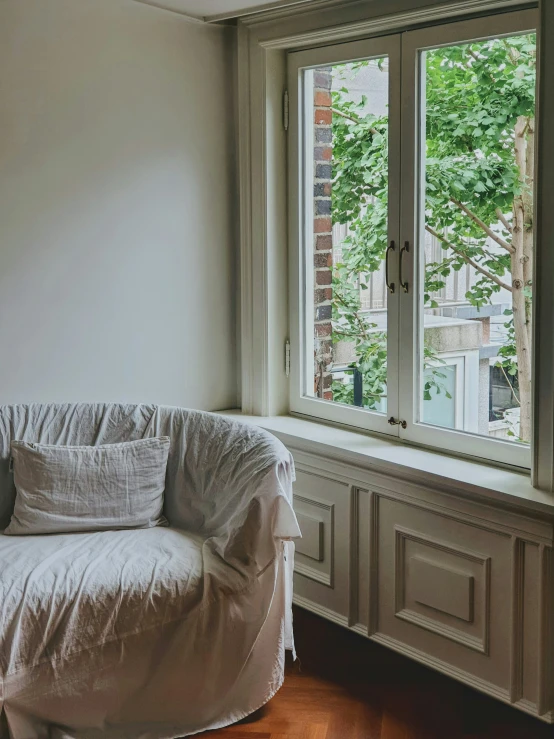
column 390, row 285
column 405, row 248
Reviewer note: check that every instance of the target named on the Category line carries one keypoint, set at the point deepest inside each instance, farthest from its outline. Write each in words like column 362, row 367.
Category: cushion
column 67, row 593
column 62, row 489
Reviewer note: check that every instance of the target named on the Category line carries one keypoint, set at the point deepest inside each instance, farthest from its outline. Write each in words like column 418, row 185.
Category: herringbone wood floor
column 346, row 687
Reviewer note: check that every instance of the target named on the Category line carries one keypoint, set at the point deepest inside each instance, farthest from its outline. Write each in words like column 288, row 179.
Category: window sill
column 430, row 468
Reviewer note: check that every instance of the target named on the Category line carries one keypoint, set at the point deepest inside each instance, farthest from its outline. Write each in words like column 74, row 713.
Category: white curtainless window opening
column 412, row 198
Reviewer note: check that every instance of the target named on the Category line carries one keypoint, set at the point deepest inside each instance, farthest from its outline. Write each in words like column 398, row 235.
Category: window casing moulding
column 263, row 41
column 325, row 22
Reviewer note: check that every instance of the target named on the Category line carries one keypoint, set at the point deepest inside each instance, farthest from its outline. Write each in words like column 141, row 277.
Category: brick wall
column 323, row 236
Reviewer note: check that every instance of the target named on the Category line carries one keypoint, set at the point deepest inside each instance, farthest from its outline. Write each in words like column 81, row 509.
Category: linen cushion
column 62, row 489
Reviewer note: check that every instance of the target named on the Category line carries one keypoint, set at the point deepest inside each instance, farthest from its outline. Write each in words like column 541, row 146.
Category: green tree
column 480, row 102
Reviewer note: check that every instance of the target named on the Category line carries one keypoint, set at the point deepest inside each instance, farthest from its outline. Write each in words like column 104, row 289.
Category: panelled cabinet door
column 322, row 506
column 446, row 595
column 460, row 586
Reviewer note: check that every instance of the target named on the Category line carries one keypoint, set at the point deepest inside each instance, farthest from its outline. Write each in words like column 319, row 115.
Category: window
column 412, row 171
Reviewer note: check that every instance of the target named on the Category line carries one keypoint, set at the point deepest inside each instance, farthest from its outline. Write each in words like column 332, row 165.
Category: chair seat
column 61, row 594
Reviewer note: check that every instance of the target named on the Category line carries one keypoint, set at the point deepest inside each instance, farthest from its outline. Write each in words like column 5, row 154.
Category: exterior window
column 347, row 159
column 476, row 214
column 412, row 167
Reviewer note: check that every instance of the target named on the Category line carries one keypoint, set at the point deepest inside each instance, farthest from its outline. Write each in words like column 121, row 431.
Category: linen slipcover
column 153, row 633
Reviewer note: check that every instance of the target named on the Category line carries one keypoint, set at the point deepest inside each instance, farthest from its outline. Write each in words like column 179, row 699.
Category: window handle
column 390, row 285
column 406, row 247
column 394, row 422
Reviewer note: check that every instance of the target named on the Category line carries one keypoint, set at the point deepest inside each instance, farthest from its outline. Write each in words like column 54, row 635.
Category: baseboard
column 432, row 662
column 461, row 676
column 309, row 605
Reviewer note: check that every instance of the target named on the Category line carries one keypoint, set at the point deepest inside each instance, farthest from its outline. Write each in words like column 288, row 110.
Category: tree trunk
column 528, row 225
column 522, row 265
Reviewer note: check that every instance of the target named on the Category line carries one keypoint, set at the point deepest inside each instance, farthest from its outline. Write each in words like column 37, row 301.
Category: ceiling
column 216, row 10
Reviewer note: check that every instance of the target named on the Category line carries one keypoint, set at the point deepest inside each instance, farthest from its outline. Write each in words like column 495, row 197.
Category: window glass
column 476, row 215
column 346, row 151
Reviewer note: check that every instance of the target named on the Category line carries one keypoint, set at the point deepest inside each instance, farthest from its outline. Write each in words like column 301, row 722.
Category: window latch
column 393, row 422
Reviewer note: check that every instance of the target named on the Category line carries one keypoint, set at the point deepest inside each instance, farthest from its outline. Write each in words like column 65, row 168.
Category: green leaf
column 469, row 152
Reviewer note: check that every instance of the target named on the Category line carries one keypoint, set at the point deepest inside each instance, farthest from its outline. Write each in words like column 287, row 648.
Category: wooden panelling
column 459, row 586
column 406, row 532
column 311, row 544
column 443, row 588
column 360, row 557
column 322, row 556
column 527, row 635
column 315, row 558
column 440, row 588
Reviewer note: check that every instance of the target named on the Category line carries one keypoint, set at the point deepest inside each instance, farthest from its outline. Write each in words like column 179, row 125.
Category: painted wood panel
column 322, row 557
column 453, row 584
column 311, row 544
column 407, row 531
column 441, row 588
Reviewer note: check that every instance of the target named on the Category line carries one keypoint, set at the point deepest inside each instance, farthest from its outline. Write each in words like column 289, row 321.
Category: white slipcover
column 151, row 633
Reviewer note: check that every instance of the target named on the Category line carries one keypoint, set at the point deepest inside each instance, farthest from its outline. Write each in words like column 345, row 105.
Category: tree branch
column 488, row 255
column 359, row 321
column 467, row 259
column 495, row 237
column 474, row 55
column 502, row 219
column 511, row 386
column 374, row 131
column 343, row 115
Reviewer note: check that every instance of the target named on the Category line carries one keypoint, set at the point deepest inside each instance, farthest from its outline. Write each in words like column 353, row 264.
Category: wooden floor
column 346, row 687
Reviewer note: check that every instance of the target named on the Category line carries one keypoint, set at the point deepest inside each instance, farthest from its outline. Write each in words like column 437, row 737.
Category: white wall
column 117, row 232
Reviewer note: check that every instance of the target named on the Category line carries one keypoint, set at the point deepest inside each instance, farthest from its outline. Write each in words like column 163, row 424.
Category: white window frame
column 467, row 367
column 263, row 41
column 404, row 309
column 411, row 303
column 301, row 260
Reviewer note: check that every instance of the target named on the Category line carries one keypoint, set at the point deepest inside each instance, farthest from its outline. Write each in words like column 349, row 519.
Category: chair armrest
column 231, row 483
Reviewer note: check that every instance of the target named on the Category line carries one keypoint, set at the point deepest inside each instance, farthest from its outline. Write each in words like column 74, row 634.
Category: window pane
column 440, row 408
column 346, row 191
column 477, row 231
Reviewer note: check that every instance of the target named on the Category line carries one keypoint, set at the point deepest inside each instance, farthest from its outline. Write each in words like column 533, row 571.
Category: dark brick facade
column 323, row 236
